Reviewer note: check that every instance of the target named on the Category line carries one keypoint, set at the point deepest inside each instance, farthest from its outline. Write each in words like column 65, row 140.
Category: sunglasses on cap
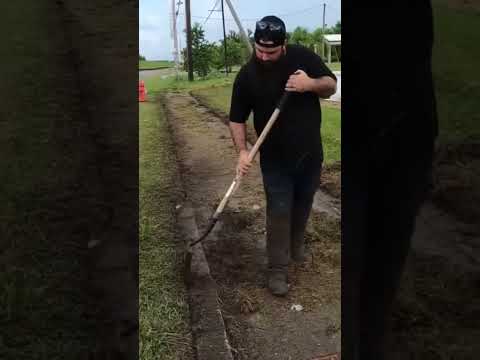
column 264, row 25
column 269, row 31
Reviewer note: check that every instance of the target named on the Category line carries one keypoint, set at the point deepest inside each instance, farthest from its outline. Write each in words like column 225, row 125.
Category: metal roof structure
column 333, row 39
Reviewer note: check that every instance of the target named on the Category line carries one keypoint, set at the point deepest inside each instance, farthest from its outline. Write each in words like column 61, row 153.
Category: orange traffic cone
column 142, row 91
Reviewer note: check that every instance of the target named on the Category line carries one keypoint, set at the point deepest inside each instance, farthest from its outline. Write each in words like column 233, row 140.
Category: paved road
column 338, row 95
column 164, row 73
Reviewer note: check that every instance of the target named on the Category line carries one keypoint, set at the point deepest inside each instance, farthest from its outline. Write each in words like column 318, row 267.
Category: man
column 291, row 156
column 388, row 133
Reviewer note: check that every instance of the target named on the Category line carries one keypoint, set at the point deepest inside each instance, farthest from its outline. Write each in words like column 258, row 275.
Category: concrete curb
column 210, row 341
column 208, row 326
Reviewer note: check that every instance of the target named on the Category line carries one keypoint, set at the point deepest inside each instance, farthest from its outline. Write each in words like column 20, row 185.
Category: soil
column 456, row 181
column 331, row 180
column 259, row 326
column 435, row 311
column 464, row 4
column 437, row 300
column 328, row 103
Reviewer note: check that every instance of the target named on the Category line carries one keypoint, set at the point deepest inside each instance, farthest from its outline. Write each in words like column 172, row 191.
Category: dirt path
column 259, row 326
column 437, row 302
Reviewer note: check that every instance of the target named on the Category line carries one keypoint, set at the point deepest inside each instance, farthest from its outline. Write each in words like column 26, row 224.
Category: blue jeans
column 289, row 194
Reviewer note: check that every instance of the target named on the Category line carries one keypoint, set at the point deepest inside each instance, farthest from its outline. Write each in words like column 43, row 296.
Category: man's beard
column 270, row 65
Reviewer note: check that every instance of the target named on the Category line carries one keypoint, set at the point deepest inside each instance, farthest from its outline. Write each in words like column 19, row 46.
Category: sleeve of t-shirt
column 316, row 67
column 240, row 105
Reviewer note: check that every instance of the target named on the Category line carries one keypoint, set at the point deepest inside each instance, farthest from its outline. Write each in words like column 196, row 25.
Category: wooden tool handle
column 266, row 129
column 251, row 155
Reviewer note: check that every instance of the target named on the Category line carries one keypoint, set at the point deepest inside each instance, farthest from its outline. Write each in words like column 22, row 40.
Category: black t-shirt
column 295, row 135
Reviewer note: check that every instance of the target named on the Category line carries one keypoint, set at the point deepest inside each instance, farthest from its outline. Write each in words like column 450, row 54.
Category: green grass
column 163, row 310
column 218, row 98
column 456, row 69
column 331, row 134
column 335, row 66
column 154, row 64
column 42, row 296
column 157, row 84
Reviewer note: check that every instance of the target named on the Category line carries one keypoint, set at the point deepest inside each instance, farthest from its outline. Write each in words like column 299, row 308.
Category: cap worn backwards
column 270, row 31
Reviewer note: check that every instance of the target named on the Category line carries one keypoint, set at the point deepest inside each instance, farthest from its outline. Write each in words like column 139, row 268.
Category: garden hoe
column 235, row 184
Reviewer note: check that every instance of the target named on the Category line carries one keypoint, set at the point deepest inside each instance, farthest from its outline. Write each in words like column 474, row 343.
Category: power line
column 211, row 12
column 252, row 19
column 300, row 11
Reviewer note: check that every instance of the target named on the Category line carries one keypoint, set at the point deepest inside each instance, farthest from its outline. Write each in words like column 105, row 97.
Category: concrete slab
column 208, row 327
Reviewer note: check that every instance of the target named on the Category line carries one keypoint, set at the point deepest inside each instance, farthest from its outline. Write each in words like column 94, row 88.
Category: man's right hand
column 243, row 164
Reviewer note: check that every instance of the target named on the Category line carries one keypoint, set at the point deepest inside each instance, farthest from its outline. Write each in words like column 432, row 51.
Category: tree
column 337, row 29
column 202, row 51
column 301, row 36
column 237, row 52
column 141, row 58
column 317, row 35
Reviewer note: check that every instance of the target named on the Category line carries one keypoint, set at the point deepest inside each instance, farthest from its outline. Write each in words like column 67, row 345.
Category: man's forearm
column 324, row 87
column 238, row 132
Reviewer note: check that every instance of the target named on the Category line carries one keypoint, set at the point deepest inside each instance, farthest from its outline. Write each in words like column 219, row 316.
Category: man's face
column 268, row 56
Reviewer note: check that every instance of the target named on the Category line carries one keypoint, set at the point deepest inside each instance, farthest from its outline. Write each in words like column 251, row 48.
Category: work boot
column 297, row 253
column 277, row 283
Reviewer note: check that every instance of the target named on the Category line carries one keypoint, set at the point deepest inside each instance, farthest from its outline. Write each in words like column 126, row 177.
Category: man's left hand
column 299, row 82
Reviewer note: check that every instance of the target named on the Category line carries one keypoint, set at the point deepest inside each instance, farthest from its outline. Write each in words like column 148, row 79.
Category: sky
column 155, row 39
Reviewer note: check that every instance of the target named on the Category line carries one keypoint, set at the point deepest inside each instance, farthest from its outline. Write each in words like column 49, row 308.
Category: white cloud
column 155, row 40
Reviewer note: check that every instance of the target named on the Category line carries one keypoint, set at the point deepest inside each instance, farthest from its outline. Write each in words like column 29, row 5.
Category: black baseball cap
column 270, row 28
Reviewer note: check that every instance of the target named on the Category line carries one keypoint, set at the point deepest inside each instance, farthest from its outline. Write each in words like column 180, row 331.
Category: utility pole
column 175, row 37
column 324, row 6
column 189, row 40
column 180, row 56
column 240, row 27
column 224, row 39
column 323, row 32
column 179, row 36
